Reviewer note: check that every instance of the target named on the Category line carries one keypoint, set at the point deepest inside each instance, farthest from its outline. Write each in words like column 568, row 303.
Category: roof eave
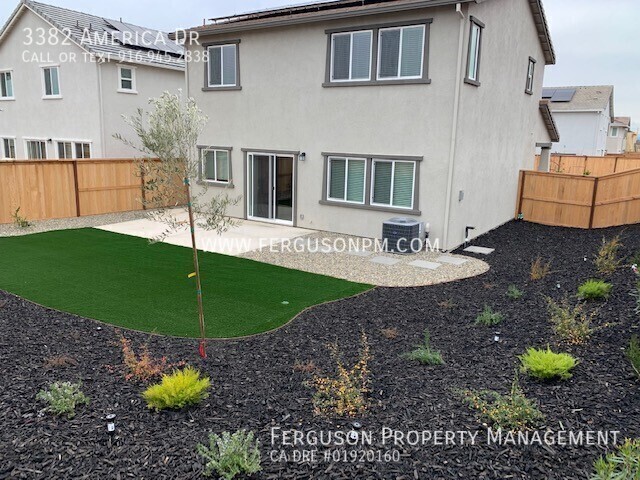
column 549, row 122
column 544, row 33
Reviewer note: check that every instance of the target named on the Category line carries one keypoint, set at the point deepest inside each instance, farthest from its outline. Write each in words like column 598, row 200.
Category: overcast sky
column 596, row 41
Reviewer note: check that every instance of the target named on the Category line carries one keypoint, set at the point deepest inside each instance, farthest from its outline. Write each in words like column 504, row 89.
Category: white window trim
column 346, row 180
column 474, row 75
column 15, row 146
column 134, row 83
column 13, row 87
column 44, row 88
column 26, row 148
column 393, row 173
column 222, row 84
column 398, row 76
column 215, row 166
column 72, row 141
column 531, row 72
column 350, row 79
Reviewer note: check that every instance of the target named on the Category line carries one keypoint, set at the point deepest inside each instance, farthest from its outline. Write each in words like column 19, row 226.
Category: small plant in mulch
column 59, row 361
column 546, row 364
column 19, row 220
column 62, row 398
column 539, row 269
column 514, row 293
column 633, row 354
column 447, row 304
column 143, row 366
column 607, row 259
column 513, row 411
column 177, row 390
column 389, row 333
column 345, row 393
column 304, row 367
column 622, row 464
column 488, row 317
column 635, row 293
column 594, row 290
column 424, row 353
column 231, row 454
column 570, row 322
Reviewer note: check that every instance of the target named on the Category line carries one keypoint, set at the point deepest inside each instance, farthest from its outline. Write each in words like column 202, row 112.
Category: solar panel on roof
column 563, row 95
column 548, row 92
column 135, row 36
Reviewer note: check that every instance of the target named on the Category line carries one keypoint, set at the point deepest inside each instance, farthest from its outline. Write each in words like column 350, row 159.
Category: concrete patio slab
column 425, row 264
column 359, row 253
column 480, row 250
column 384, row 260
column 451, row 260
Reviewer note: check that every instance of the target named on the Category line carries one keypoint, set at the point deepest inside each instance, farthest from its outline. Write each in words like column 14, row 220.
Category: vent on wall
column 558, row 94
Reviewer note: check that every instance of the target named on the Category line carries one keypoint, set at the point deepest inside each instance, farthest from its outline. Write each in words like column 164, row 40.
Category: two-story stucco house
column 618, row 131
column 66, row 78
column 339, row 115
column 583, row 115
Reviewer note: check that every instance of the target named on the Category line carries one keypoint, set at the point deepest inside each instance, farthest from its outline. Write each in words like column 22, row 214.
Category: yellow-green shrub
column 177, row 390
column 547, row 365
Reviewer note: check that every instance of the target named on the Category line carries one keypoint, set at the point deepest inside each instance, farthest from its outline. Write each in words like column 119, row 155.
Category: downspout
column 101, row 110
column 454, row 129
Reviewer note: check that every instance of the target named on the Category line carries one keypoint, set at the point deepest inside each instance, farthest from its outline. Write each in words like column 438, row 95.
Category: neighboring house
column 618, row 130
column 337, row 116
column 67, row 77
column 630, row 141
column 583, row 116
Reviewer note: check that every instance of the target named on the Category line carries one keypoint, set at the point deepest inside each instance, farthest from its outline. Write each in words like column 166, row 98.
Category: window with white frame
column 216, row 165
column 351, row 56
column 83, row 149
column 614, row 131
column 6, row 85
column 392, row 183
column 346, row 179
column 65, row 150
column 68, row 149
column 222, row 65
column 530, row 76
column 8, row 148
column 400, row 52
column 473, row 53
column 36, row 149
column 127, row 79
column 51, row 81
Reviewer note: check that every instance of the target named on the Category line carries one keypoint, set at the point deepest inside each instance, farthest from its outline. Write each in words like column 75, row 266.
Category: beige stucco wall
column 75, row 116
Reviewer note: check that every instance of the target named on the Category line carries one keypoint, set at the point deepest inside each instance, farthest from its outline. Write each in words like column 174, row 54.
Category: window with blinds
column 346, row 179
column 351, row 56
column 401, row 52
column 215, row 165
column 393, row 183
column 223, row 68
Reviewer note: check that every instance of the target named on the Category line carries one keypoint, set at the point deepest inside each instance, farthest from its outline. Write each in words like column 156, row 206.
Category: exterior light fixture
column 496, row 337
column 111, row 423
column 357, row 425
column 302, row 156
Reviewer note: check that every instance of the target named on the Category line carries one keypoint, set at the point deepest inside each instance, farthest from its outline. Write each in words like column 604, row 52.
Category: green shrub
column 571, row 324
column 231, row 454
column 489, row 317
column 62, row 398
column 19, row 220
column 424, row 353
column 513, row 411
column 594, row 290
column 607, row 260
column 514, row 293
column 547, row 365
column 633, row 354
column 177, row 390
column 621, row 465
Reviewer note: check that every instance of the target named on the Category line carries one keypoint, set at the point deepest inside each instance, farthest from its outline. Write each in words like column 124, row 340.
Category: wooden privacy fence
column 594, row 166
column 45, row 189
column 579, row 201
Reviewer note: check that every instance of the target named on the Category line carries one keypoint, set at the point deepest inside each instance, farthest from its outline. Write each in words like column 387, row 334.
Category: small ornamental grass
column 539, row 269
column 143, row 366
column 231, row 454
column 571, row 323
column 594, row 290
column 514, row 293
column 513, row 411
column 177, row 390
column 547, row 365
column 62, row 398
column 489, row 317
column 607, row 260
column 623, row 464
column 344, row 394
column 633, row 354
column 424, row 353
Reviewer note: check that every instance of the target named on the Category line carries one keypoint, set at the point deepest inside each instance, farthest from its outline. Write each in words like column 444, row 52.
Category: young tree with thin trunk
column 168, row 136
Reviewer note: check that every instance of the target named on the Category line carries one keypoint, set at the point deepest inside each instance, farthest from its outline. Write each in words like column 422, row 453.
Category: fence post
column 75, row 185
column 142, row 186
column 615, row 165
column 520, row 193
column 593, row 201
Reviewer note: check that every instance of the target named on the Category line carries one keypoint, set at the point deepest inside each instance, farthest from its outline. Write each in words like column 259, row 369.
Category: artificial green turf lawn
column 126, row 281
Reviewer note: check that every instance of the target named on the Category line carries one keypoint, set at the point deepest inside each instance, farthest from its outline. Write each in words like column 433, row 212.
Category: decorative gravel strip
column 38, row 226
column 360, row 267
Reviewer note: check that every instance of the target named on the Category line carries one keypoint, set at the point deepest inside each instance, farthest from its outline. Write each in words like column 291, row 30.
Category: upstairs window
column 351, row 56
column 6, row 85
column 9, row 148
column 83, row 150
column 222, row 66
column 473, row 54
column 614, row 131
column 216, row 165
column 126, row 79
column 51, row 82
column 70, row 150
column 401, row 51
column 64, row 150
column 530, row 76
column 36, row 149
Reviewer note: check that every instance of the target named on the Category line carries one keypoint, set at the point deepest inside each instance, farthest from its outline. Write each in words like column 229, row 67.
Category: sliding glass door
column 270, row 188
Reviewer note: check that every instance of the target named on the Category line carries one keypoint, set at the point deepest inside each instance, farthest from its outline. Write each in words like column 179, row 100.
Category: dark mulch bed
column 255, row 386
